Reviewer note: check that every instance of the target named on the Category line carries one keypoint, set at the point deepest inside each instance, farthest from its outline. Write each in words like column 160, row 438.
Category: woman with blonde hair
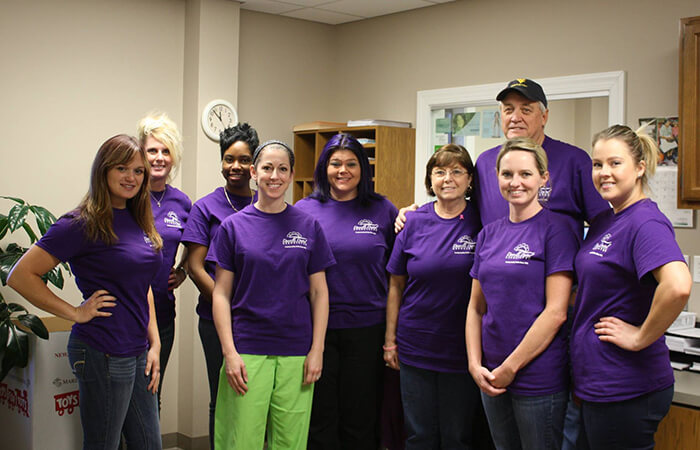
column 162, row 143
column 522, row 279
column 633, row 283
column 113, row 249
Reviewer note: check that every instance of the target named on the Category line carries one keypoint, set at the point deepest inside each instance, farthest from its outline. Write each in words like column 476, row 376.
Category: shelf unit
column 391, row 159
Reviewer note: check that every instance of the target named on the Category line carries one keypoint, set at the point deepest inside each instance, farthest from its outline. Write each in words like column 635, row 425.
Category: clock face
column 218, row 115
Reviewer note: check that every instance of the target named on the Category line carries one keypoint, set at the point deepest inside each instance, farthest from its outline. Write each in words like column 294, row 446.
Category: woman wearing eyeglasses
column 427, row 306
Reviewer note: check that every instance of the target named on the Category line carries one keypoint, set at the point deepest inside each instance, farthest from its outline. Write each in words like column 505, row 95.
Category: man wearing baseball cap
column 570, row 190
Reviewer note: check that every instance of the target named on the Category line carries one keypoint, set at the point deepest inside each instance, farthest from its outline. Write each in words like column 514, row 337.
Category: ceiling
column 335, row 11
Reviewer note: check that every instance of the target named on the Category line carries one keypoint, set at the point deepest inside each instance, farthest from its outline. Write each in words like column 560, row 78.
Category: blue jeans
column 114, row 398
column 167, row 338
column 629, row 424
column 214, row 360
column 528, row 423
column 438, row 407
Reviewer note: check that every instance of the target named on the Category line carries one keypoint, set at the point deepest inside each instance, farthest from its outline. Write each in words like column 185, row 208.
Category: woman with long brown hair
column 113, row 249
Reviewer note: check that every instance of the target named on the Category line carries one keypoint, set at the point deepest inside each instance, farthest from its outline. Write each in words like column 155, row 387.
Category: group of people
column 302, row 306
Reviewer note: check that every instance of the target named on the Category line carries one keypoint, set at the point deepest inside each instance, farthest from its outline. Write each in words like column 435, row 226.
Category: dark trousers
column 167, row 338
column 346, row 398
column 629, row 424
column 439, row 409
column 214, row 359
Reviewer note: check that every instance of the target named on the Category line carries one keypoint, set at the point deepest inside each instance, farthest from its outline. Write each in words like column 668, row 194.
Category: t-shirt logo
column 172, row 220
column 600, row 248
column 543, row 194
column 521, row 254
column 294, row 239
column 464, row 246
column 365, row 226
column 147, row 240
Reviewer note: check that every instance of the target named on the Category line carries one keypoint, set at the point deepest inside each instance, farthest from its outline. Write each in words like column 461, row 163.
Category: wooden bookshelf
column 391, row 157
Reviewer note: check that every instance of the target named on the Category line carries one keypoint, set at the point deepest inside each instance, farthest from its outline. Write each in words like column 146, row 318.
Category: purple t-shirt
column 170, row 218
column 272, row 257
column 512, row 263
column 569, row 191
column 436, row 255
column 125, row 269
column 205, row 219
column 361, row 238
column 614, row 269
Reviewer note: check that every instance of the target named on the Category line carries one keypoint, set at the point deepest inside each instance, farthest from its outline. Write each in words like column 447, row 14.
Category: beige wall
column 287, row 74
column 78, row 71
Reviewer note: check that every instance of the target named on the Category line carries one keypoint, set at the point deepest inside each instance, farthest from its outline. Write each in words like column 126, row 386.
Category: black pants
column 346, row 399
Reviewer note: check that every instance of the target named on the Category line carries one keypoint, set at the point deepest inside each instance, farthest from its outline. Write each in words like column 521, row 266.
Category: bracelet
column 390, row 348
column 183, row 269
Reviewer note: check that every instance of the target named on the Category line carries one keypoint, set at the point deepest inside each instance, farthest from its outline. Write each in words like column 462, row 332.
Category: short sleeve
column 593, row 203
column 222, row 250
column 197, row 228
column 64, row 239
column 654, row 245
column 561, row 246
column 321, row 256
column 398, row 259
column 474, row 272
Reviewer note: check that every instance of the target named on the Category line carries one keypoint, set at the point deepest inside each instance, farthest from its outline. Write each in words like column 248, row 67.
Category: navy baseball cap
column 525, row 87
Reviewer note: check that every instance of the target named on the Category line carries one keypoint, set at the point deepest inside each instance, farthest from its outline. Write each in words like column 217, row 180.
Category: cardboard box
column 39, row 405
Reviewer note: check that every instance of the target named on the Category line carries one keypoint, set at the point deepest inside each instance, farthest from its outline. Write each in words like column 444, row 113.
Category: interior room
column 78, row 71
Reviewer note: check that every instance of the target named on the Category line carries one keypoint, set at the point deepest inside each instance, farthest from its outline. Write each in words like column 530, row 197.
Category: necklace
column 161, row 197
column 229, row 200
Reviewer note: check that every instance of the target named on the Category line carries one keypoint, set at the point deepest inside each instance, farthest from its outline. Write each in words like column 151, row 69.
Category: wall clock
column 216, row 116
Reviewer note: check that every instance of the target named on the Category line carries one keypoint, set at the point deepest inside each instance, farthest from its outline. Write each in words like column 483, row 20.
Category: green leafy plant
column 14, row 339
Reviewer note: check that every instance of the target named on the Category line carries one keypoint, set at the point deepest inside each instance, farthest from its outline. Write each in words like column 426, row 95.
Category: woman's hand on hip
column 90, row 308
column 618, row 332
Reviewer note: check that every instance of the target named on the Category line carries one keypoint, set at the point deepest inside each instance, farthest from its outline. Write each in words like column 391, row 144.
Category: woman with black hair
column 237, row 145
column 358, row 225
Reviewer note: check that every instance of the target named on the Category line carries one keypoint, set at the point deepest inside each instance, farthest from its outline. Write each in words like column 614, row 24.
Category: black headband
column 260, row 148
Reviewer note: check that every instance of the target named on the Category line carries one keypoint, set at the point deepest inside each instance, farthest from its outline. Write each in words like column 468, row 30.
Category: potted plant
column 14, row 339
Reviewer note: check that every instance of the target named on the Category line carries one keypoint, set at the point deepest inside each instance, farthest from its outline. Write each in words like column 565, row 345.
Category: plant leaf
column 55, row 277
column 14, row 307
column 7, row 262
column 43, row 217
column 19, row 345
column 35, row 324
column 14, row 199
column 17, row 216
column 4, row 225
column 30, row 232
column 4, row 331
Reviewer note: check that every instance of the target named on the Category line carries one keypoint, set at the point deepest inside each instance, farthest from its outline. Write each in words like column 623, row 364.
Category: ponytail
column 640, row 145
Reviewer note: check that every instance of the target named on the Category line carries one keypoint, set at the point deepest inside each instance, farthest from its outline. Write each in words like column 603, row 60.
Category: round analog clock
column 216, row 116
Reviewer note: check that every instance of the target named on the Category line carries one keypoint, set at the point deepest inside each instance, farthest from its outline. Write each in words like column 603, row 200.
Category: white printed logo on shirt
column 521, row 255
column 294, row 239
column 602, row 246
column 543, row 194
column 147, row 240
column 172, row 220
column 464, row 246
column 365, row 226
